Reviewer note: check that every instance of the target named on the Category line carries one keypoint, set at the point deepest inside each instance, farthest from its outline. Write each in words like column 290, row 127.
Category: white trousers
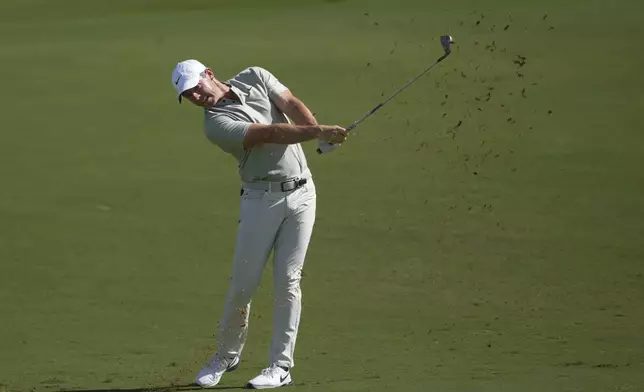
column 279, row 221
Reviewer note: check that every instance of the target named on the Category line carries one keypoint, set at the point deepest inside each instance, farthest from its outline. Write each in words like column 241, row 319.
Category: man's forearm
column 291, row 134
column 300, row 113
column 280, row 133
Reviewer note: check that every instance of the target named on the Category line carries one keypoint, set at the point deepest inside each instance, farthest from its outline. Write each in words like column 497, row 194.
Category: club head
column 446, row 41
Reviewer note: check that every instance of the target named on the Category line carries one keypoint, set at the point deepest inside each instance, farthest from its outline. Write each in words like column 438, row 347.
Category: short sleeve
column 273, row 85
column 226, row 133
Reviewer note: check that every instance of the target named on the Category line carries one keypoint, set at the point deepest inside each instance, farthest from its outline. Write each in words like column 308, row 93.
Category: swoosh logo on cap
column 178, row 79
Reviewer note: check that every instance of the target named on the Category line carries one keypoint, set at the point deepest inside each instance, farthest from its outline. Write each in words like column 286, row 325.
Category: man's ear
column 209, row 73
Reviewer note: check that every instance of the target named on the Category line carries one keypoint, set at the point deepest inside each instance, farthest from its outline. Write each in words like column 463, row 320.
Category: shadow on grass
column 170, row 388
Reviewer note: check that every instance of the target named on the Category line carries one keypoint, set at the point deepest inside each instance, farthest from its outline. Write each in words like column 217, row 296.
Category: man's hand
column 333, row 134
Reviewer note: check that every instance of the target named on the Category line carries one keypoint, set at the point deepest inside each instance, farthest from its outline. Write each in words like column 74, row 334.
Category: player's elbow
column 252, row 138
column 258, row 134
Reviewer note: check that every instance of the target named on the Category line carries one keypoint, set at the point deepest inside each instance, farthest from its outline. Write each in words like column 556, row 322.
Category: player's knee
column 287, row 287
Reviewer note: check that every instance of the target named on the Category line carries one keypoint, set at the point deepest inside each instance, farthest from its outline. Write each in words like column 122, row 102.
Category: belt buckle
column 296, row 184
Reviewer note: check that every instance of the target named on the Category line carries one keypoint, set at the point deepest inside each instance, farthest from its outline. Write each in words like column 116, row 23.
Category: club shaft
column 375, row 108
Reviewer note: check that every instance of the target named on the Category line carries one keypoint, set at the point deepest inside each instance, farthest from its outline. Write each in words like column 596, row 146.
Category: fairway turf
column 482, row 232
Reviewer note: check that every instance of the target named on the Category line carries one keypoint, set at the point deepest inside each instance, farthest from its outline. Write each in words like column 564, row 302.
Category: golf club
column 446, row 41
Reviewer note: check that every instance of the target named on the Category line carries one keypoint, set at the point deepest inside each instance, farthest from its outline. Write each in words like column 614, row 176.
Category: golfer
column 248, row 118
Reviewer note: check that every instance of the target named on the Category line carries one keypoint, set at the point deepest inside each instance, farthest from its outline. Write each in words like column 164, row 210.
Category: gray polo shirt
column 227, row 122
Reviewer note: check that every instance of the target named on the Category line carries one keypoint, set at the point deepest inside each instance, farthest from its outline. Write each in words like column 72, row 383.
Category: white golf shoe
column 272, row 377
column 210, row 374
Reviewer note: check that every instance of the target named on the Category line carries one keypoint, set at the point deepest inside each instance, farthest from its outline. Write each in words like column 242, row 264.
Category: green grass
column 504, row 254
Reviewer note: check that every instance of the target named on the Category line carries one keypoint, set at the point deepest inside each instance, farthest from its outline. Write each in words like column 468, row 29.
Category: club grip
column 325, row 147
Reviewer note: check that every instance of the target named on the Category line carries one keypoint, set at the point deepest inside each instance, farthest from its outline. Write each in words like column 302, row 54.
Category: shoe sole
column 251, row 386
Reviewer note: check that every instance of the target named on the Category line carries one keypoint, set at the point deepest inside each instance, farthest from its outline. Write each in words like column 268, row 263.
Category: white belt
column 279, row 186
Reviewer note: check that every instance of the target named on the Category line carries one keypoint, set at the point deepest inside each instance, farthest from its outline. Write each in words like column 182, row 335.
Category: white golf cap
column 186, row 75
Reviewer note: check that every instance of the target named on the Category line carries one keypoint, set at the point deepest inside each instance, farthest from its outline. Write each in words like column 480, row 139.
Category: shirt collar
column 240, row 93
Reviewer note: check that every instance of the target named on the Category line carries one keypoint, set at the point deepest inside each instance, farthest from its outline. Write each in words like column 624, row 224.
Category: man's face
column 206, row 93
